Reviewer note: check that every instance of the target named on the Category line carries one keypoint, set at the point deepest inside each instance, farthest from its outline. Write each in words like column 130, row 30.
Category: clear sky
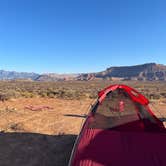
column 65, row 36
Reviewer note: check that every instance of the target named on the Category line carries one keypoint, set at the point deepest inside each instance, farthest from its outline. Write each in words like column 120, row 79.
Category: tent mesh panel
column 118, row 109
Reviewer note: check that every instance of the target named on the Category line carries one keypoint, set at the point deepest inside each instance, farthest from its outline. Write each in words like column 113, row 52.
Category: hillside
column 11, row 75
column 56, row 77
column 150, row 72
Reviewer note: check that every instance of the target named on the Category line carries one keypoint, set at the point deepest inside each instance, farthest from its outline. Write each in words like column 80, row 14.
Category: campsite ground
column 45, row 137
column 45, row 134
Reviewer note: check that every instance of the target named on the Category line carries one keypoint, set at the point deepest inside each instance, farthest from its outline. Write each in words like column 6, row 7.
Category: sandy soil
column 62, row 119
column 44, row 138
column 39, row 138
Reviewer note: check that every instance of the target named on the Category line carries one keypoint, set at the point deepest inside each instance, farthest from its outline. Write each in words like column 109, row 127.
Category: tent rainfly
column 120, row 130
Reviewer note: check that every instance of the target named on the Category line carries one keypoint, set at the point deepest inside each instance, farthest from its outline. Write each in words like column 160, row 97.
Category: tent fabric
column 135, row 95
column 121, row 130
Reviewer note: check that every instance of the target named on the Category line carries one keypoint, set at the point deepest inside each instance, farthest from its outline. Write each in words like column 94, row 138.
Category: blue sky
column 72, row 36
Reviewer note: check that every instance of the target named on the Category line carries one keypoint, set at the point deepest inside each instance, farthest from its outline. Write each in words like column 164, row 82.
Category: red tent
column 120, row 130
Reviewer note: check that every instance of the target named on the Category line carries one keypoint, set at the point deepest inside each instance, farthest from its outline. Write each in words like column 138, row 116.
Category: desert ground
column 41, row 131
column 43, row 137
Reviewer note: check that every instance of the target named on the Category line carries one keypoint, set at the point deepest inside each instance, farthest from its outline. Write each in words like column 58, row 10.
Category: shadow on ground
column 163, row 119
column 26, row 149
column 76, row 116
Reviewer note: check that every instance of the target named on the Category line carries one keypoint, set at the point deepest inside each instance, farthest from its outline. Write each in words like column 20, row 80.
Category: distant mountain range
column 11, row 75
column 149, row 71
column 57, row 77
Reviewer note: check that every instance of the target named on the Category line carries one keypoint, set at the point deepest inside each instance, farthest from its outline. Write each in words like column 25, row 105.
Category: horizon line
column 70, row 73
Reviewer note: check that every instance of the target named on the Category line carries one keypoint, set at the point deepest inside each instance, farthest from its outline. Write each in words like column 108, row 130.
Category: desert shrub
column 73, row 89
column 27, row 94
column 50, row 95
column 15, row 127
column 8, row 94
column 43, row 94
column 4, row 97
column 153, row 96
column 163, row 94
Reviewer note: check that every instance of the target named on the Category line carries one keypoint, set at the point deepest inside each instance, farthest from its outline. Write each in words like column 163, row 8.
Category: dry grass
column 73, row 89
